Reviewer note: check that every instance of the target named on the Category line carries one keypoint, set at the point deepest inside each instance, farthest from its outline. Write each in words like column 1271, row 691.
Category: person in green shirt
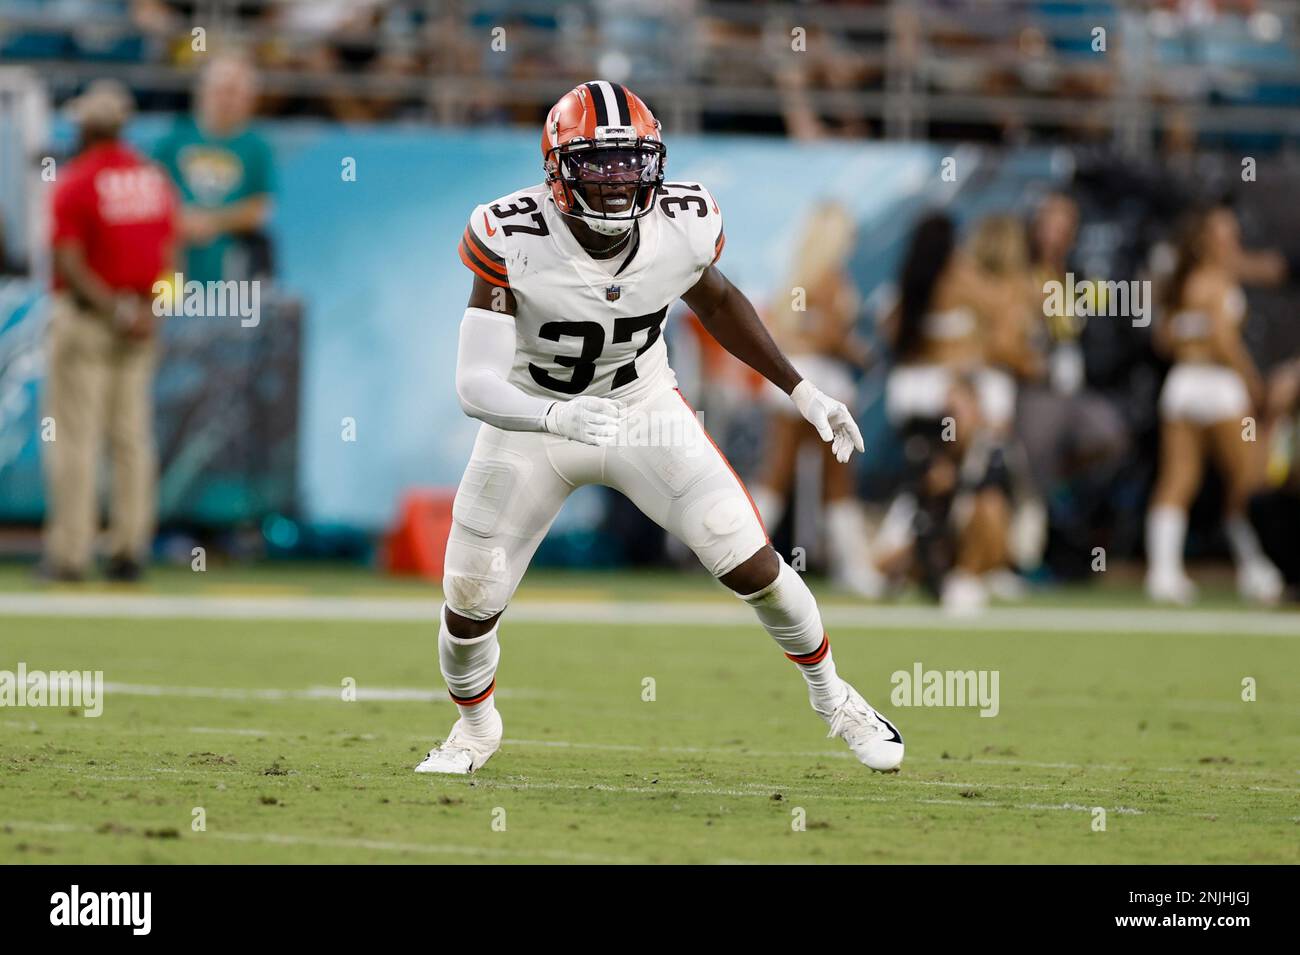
column 223, row 169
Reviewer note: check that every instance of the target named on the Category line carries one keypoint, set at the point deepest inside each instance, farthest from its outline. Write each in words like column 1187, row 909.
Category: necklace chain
column 617, row 248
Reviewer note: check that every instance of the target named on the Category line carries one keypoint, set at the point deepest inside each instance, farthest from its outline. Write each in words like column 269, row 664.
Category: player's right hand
column 587, row 419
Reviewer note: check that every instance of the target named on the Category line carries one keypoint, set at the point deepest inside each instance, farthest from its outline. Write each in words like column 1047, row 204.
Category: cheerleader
column 1211, row 388
column 946, row 410
column 813, row 318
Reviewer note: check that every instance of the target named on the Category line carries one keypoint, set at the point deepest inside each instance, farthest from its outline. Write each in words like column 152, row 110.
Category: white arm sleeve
column 483, row 362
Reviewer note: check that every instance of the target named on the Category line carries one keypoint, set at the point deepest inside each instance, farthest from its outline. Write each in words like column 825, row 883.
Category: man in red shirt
column 114, row 227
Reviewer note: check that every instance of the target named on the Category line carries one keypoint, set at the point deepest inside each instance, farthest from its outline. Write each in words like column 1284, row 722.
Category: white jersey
column 583, row 326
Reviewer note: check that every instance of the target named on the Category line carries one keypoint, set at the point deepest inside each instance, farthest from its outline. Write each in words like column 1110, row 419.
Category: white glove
column 589, row 420
column 831, row 419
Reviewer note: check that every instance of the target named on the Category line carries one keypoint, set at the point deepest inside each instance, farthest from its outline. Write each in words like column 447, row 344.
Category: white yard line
column 325, row 693
column 793, row 799
column 767, row 789
column 234, row 731
column 404, row 694
column 953, row 763
column 1046, row 621
column 380, row 845
column 759, row 791
column 792, row 794
column 556, row 855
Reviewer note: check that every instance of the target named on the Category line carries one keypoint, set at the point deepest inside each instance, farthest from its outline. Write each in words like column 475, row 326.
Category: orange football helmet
column 599, row 140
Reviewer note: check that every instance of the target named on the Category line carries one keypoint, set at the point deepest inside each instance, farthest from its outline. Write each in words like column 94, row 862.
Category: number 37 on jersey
column 583, row 326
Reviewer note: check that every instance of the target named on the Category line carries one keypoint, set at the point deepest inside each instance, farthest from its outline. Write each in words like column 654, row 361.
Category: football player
column 562, row 358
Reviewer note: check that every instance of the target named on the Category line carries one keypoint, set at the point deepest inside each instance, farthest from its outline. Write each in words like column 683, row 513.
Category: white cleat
column 1005, row 584
column 861, row 581
column 460, row 753
column 874, row 740
column 1170, row 588
column 964, row 595
column 1260, row 582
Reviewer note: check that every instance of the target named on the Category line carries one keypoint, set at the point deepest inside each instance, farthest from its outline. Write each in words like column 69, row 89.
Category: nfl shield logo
column 613, row 292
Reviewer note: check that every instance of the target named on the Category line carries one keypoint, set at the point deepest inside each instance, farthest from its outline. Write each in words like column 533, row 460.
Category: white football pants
column 516, row 482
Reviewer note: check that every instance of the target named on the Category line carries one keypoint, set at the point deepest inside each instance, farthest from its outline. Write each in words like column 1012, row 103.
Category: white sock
column 470, row 668
column 787, row 610
column 771, row 506
column 1166, row 530
column 1242, row 542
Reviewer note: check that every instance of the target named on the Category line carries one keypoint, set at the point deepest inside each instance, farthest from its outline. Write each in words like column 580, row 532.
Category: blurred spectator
column 336, row 40
column 224, row 171
column 831, row 65
column 1000, row 249
column 812, row 318
column 1275, row 512
column 114, row 228
column 1070, row 434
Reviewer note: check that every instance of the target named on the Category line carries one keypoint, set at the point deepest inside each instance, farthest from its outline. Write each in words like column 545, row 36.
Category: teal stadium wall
column 374, row 262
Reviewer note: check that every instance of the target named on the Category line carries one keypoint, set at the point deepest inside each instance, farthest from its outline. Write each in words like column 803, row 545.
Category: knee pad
column 723, row 530
column 477, row 582
column 474, row 598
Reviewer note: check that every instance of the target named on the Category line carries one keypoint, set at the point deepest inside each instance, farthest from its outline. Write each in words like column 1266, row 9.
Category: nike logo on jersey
column 487, row 225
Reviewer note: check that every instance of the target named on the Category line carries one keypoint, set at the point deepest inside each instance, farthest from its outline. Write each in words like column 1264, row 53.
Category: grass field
column 1103, row 703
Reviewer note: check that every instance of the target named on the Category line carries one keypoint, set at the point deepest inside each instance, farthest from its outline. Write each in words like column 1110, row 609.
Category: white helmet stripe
column 616, row 116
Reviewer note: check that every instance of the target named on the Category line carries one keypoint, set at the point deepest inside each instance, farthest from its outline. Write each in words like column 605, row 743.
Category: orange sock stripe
column 817, row 656
column 462, row 701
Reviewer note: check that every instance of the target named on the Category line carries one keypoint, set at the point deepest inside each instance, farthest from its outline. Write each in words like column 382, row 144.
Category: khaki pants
column 97, row 383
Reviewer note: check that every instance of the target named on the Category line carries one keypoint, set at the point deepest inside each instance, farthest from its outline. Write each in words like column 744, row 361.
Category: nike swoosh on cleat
column 892, row 728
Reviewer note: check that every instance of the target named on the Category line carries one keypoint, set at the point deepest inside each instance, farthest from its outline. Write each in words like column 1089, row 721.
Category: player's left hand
column 831, row 419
